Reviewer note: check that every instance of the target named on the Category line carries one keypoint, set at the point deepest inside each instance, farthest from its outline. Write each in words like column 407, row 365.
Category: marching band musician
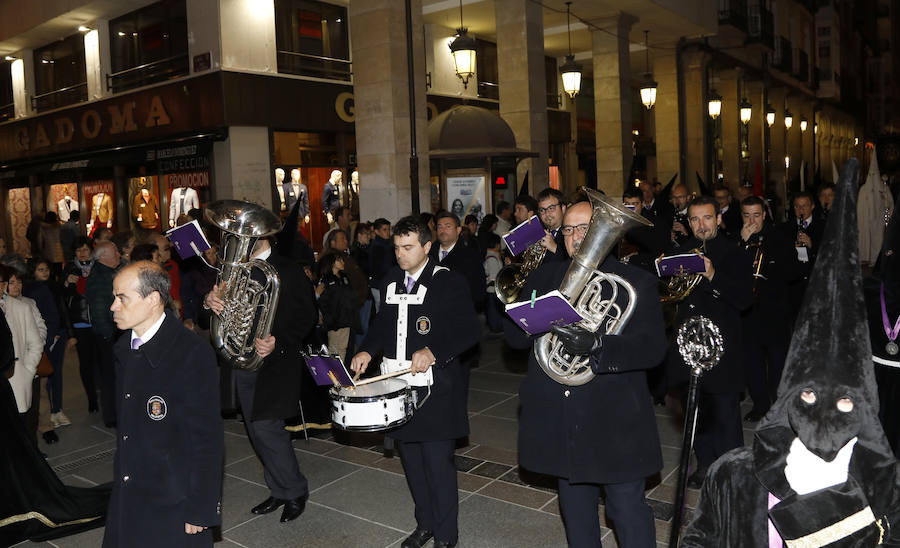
column 270, row 394
column 767, row 330
column 561, row 428
column 425, row 322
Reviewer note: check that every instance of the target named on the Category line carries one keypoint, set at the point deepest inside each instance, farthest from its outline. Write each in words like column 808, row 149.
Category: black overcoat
column 721, row 300
column 170, row 441
column 467, row 261
column 603, row 431
column 278, row 379
column 447, row 324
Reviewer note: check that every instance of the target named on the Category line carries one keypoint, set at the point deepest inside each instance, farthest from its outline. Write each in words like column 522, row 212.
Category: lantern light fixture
column 570, row 71
column 463, row 51
column 788, row 120
column 803, row 125
column 770, row 116
column 648, row 88
column 746, row 110
column 714, row 106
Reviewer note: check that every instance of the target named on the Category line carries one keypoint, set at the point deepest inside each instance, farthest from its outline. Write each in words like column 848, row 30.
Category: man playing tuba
column 567, row 431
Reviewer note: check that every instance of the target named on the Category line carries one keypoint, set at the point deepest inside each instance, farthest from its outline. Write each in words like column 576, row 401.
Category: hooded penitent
column 875, row 200
column 820, row 471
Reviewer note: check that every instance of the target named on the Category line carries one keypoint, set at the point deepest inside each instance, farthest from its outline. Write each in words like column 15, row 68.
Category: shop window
column 312, row 39
column 148, row 46
column 59, row 74
column 7, row 109
column 488, row 73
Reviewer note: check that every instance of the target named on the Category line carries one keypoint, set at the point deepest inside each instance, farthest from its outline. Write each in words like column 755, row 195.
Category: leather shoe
column 695, row 480
column 442, row 544
column 754, row 416
column 50, row 437
column 293, row 508
column 417, row 539
column 269, row 505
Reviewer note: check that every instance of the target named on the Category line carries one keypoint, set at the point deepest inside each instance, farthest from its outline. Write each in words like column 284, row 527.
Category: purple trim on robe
column 775, row 540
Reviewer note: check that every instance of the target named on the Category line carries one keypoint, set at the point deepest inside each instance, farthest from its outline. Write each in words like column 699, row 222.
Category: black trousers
column 272, row 444
column 626, row 506
column 431, row 476
column 86, row 346
column 719, row 428
column 107, row 378
column 763, row 364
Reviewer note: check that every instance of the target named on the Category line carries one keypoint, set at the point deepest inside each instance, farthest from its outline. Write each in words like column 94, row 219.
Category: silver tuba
column 235, row 329
column 591, row 292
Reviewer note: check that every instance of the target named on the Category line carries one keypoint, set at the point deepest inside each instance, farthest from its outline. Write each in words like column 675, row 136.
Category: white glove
column 806, row 472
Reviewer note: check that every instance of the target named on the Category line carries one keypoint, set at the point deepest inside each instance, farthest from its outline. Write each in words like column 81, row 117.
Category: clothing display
column 65, row 207
column 102, row 208
column 182, row 200
column 145, row 210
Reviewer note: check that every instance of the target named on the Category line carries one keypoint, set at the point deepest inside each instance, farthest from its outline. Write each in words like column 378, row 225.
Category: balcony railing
column 60, row 98
column 317, row 66
column 734, row 13
column 7, row 112
column 148, row 73
column 761, row 26
column 488, row 90
column 784, row 55
column 802, row 66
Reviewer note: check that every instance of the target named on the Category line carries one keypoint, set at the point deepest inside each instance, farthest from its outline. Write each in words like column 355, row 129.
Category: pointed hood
column 523, row 190
column 834, row 173
column 288, row 233
column 830, row 353
column 887, row 267
column 702, row 189
column 667, row 190
column 874, row 201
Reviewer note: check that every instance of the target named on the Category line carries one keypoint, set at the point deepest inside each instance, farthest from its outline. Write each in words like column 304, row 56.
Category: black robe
column 887, row 367
column 603, row 431
column 447, row 324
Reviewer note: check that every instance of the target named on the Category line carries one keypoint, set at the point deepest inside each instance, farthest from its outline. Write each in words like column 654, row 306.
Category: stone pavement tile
column 499, row 433
column 389, row 464
column 490, row 470
column 318, row 527
column 666, row 493
column 662, row 511
column 87, row 539
column 76, row 437
column 235, row 426
column 99, row 471
column 318, row 470
column 314, row 445
column 671, row 431
column 374, row 495
column 662, row 530
column 489, row 523
column 75, row 455
column 517, row 494
column 508, row 409
column 470, row 482
column 485, row 452
column 465, row 464
column 355, row 455
column 238, row 497
column 495, row 382
column 236, row 448
column 531, row 479
column 479, row 400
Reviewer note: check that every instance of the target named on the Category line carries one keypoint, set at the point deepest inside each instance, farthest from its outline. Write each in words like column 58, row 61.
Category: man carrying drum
column 425, row 322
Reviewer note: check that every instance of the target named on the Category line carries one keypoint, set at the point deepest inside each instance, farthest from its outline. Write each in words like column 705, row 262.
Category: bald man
column 170, row 447
column 559, row 431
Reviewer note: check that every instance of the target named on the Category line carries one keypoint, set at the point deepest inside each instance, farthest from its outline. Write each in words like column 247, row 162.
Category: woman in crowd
column 74, row 287
column 336, row 303
column 50, row 243
column 48, row 297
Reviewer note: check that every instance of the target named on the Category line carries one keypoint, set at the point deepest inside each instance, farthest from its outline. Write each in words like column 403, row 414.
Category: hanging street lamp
column 463, row 51
column 570, row 71
column 648, row 88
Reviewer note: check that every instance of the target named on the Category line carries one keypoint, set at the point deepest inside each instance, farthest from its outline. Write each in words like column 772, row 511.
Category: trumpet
column 512, row 278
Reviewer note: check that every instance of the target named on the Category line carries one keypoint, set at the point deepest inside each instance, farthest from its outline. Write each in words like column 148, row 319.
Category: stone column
column 22, row 72
column 241, row 166
column 203, row 20
column 728, row 88
column 97, row 60
column 668, row 144
column 696, row 116
column 247, row 35
column 612, row 101
column 523, row 84
column 381, row 94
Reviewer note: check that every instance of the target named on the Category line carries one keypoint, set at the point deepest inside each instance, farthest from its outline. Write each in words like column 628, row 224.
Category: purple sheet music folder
column 320, row 366
column 548, row 310
column 518, row 239
column 188, row 239
column 689, row 263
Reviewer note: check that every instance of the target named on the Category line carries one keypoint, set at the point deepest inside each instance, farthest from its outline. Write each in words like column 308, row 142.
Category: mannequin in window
column 182, row 200
column 354, row 191
column 101, row 210
column 279, row 186
column 66, row 206
column 145, row 210
column 301, row 194
column 331, row 195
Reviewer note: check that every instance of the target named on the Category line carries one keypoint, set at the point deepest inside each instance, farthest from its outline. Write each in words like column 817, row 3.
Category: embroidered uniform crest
column 156, row 408
column 423, row 325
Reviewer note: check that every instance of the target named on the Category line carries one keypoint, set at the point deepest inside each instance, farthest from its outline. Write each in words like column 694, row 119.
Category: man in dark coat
column 271, row 394
column 452, row 253
column 724, row 290
column 551, row 209
column 642, row 244
column 170, row 444
column 562, row 431
column 381, row 256
column 99, row 296
column 805, row 230
column 820, row 471
column 766, row 324
column 426, row 321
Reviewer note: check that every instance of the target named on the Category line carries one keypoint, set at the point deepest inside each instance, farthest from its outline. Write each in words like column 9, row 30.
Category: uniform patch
column 156, row 408
column 423, row 325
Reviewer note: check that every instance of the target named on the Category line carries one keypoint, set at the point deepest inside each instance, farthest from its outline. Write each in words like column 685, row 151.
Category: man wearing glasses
column 551, row 209
column 562, row 430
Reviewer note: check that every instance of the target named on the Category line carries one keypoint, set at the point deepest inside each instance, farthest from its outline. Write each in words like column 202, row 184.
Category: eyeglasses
column 568, row 230
column 548, row 209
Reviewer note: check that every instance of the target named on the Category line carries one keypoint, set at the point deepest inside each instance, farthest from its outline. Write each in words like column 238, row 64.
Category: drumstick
column 334, row 380
column 385, row 376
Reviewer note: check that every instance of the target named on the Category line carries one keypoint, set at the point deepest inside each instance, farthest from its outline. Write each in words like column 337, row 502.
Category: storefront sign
column 180, row 158
column 97, row 186
column 194, row 179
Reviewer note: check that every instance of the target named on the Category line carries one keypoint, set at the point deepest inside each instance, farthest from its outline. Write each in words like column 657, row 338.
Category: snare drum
column 372, row 407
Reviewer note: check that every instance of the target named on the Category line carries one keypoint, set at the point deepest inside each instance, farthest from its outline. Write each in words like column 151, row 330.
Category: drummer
column 426, row 321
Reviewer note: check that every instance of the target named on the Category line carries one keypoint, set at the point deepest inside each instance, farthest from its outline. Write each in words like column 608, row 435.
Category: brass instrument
column 512, row 277
column 591, row 292
column 678, row 287
column 758, row 258
column 237, row 326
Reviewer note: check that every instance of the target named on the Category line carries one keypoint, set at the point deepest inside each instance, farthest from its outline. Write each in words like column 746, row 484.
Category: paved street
column 358, row 497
